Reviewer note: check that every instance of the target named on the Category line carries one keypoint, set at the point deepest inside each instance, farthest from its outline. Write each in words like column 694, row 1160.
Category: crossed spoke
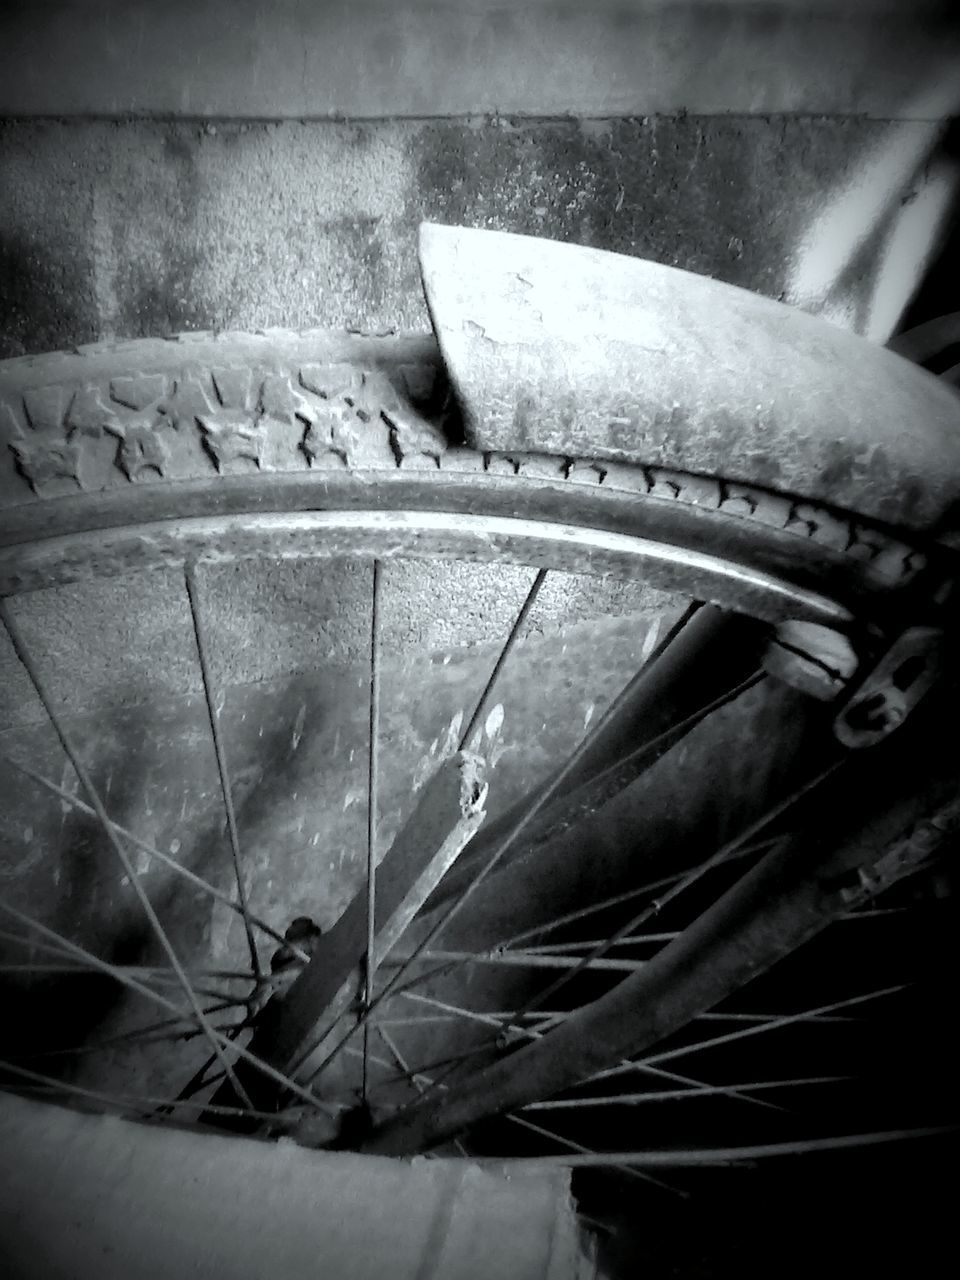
column 673, row 886
column 772, row 1024
column 151, row 1033
column 176, row 867
column 536, row 1033
column 726, row 853
column 134, row 1102
column 220, row 1041
column 86, row 782
column 415, row 1079
column 616, row 900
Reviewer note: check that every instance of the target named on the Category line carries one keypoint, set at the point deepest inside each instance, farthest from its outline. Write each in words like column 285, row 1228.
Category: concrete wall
column 144, row 227
column 211, row 164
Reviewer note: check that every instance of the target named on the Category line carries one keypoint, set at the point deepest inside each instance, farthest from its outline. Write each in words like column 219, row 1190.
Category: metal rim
column 416, row 534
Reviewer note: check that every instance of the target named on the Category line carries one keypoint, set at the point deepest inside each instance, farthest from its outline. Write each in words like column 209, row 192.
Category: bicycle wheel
column 181, row 460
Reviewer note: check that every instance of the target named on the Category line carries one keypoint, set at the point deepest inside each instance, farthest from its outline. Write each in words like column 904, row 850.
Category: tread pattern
column 205, row 420
column 327, row 412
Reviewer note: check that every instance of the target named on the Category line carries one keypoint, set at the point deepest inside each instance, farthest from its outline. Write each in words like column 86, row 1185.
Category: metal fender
column 556, row 348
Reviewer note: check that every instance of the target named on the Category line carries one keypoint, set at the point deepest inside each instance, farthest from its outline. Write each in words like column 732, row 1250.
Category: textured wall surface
column 146, row 228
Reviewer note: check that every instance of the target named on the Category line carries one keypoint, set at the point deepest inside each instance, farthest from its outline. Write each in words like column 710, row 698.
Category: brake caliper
column 890, row 691
column 873, row 697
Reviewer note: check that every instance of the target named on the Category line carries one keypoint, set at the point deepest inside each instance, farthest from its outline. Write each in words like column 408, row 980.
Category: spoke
column 772, row 1017
column 774, row 1024
column 586, row 1151
column 193, row 595
column 725, row 853
column 669, row 1095
column 471, row 1015
column 474, row 728
column 705, row 654
column 373, row 791
column 415, row 980
column 412, row 1077
column 161, row 1037
column 128, row 1101
column 585, row 944
column 869, row 913
column 154, row 974
column 729, row 1089
column 372, row 1057
column 149, row 1033
column 24, row 940
column 583, row 912
column 86, row 782
column 435, row 1064
column 591, row 796
column 223, row 975
column 81, row 970
column 456, row 1058
column 531, row 960
column 726, row 1155
column 222, row 1041
column 535, row 1033
column 540, row 1016
column 756, row 1029
column 224, row 1028
column 620, row 725
column 418, row 1021
column 177, row 867
column 138, row 971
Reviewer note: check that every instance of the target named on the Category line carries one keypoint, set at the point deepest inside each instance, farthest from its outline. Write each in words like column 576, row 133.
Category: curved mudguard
column 94, row 1197
column 560, row 349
